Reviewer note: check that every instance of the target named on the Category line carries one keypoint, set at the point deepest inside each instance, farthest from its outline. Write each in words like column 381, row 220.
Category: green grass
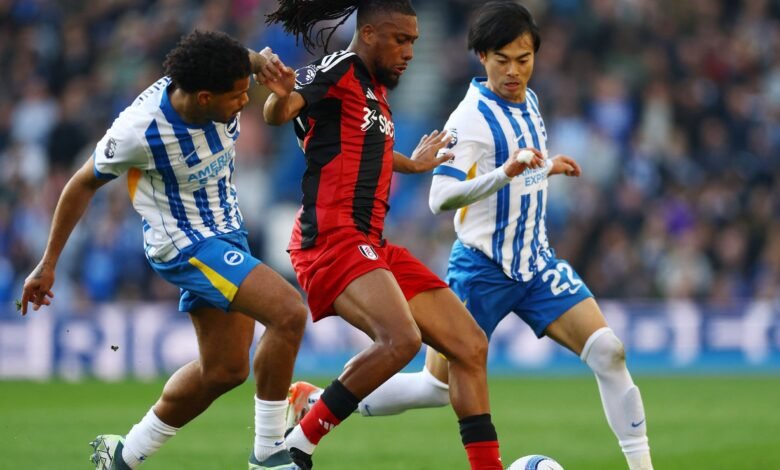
column 694, row 423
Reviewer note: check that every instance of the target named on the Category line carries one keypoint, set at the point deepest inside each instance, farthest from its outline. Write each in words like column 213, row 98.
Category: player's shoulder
column 532, row 97
column 128, row 123
column 331, row 66
column 134, row 122
column 467, row 117
column 472, row 102
column 149, row 100
column 146, row 107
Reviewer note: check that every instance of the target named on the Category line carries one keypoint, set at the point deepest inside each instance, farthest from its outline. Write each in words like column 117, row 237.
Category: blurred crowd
column 672, row 109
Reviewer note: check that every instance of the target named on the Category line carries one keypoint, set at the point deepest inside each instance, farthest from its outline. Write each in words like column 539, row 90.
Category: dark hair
column 500, row 22
column 300, row 16
column 207, row 60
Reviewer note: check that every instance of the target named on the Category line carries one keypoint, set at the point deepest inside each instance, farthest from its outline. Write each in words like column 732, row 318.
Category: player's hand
column 271, row 72
column 563, row 164
column 427, row 155
column 513, row 167
column 37, row 287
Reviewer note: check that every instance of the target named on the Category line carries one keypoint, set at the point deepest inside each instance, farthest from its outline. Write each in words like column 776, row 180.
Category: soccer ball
column 535, row 462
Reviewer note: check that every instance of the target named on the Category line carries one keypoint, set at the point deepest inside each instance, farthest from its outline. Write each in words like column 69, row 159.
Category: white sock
column 404, row 392
column 605, row 355
column 314, row 396
column 298, row 439
column 269, row 427
column 146, row 438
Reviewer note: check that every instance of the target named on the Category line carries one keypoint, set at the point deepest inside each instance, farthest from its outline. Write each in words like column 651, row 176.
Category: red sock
column 318, row 422
column 484, row 455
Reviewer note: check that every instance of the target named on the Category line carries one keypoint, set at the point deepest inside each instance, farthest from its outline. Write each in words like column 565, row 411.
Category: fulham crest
column 368, row 252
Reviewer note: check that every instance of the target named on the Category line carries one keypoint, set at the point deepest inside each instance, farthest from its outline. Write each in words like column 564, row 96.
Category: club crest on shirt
column 305, row 75
column 368, row 252
column 110, row 150
column 454, row 137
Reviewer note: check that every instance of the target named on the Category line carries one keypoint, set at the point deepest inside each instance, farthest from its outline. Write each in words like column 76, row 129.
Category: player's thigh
column 574, row 327
column 375, row 304
column 480, row 283
column 445, row 323
column 224, row 338
column 267, row 297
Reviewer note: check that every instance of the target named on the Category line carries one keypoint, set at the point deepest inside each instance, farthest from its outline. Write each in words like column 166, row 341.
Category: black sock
column 477, row 428
column 340, row 401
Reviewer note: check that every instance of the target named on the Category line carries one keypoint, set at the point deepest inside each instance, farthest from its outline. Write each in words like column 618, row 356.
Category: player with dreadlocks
column 347, row 268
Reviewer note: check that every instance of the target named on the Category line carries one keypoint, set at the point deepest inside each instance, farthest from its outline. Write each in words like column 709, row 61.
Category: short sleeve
column 119, row 150
column 468, row 144
column 314, row 81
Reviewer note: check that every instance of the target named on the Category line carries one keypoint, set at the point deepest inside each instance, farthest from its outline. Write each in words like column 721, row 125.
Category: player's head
column 386, row 30
column 214, row 68
column 506, row 38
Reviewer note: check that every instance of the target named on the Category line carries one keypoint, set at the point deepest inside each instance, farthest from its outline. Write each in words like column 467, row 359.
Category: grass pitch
column 694, row 423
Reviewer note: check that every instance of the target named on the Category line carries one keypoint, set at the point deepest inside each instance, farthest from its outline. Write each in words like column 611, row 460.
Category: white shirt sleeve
column 119, row 150
column 471, row 140
column 448, row 193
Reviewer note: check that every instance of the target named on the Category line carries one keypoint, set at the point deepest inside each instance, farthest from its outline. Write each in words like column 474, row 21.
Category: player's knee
column 472, row 351
column 401, row 347
column 290, row 317
column 293, row 319
column 225, row 377
column 477, row 353
column 604, row 352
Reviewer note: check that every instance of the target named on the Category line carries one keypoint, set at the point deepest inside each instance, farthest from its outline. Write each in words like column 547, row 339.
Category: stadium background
column 671, row 107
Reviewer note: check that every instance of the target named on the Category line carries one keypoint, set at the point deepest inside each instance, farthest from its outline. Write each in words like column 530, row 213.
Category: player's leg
column 489, row 295
column 447, row 326
column 266, row 297
column 584, row 330
column 214, row 275
column 437, row 366
column 405, row 391
column 223, row 341
column 373, row 303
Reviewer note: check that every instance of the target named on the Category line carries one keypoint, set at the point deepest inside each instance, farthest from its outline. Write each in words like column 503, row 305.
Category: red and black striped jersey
column 347, row 135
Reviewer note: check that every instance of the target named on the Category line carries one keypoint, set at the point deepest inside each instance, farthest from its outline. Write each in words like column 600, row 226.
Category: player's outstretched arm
column 448, row 193
column 426, row 156
column 73, row 202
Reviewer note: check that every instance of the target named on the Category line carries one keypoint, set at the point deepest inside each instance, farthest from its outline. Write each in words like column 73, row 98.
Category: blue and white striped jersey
column 507, row 226
column 179, row 176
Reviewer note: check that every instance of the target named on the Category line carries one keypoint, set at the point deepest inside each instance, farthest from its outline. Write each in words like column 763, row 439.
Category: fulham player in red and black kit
column 345, row 126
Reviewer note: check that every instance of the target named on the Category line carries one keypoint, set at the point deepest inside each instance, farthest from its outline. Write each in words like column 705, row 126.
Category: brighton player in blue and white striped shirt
column 501, row 262
column 176, row 143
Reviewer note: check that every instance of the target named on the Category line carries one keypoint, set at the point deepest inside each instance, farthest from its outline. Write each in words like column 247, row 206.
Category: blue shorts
column 490, row 295
column 208, row 273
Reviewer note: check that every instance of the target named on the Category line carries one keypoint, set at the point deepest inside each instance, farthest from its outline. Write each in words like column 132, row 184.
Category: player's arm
column 281, row 109
column 564, row 165
column 426, row 156
column 449, row 193
column 75, row 198
column 284, row 103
